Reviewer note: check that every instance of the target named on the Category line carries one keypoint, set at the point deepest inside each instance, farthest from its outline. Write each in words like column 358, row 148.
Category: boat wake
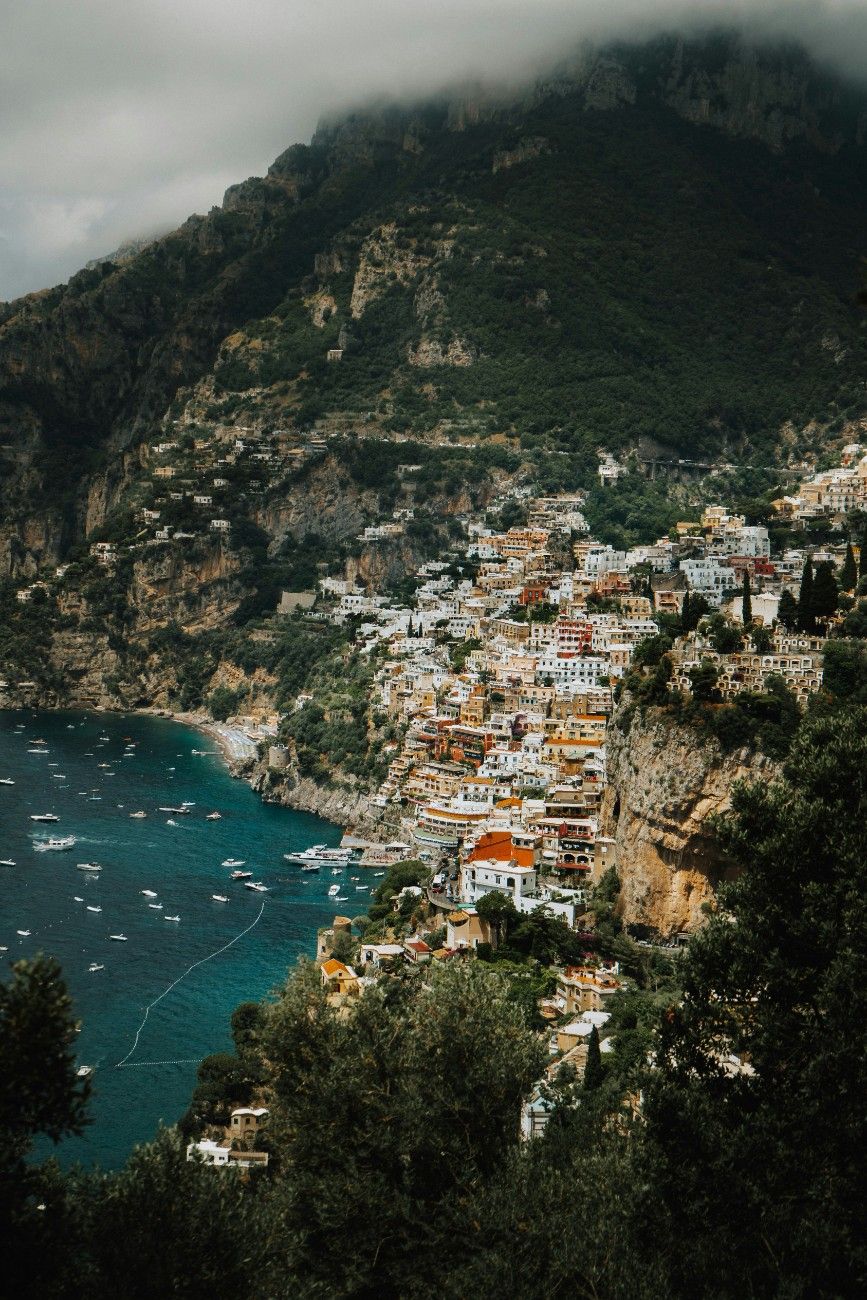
column 121, row 1064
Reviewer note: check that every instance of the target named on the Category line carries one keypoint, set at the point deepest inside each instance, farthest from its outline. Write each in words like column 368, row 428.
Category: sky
column 121, row 117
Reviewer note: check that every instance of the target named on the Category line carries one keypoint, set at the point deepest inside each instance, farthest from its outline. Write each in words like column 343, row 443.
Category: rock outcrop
column 665, row 782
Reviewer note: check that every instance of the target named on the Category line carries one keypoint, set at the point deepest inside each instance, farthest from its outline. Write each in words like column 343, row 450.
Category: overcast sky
column 118, row 118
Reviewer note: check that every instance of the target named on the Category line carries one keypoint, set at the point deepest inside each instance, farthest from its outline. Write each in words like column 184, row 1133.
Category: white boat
column 183, row 811
column 171, row 918
column 170, row 821
column 23, row 933
column 6, row 862
column 138, row 814
column 157, row 907
column 91, row 908
column 361, row 886
column 335, row 871
column 213, row 817
column 37, row 751
column 321, row 855
column 43, row 846
column 256, row 885
column 76, row 899
column 84, row 1070
column 58, row 776
column 241, row 875
column 149, row 893
column 88, row 866
column 333, row 891
column 219, row 898
column 119, row 938
column 379, row 873
column 95, row 965
column 44, row 817
column 233, row 862
column 6, row 780
column 341, row 898
column 188, row 803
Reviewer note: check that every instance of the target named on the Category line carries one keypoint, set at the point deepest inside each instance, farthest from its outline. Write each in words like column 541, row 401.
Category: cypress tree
column 824, row 595
column 807, row 617
column 593, row 1069
column 788, row 613
column 862, row 554
column 849, row 573
column 746, row 601
column 684, row 614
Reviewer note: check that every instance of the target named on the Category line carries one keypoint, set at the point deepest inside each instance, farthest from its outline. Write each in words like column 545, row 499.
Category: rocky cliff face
column 665, row 783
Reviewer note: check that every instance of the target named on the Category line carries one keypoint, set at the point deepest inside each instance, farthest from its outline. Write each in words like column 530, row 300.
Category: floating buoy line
column 126, row 1061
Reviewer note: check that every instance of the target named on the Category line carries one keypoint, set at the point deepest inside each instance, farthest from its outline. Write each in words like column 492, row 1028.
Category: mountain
column 653, row 246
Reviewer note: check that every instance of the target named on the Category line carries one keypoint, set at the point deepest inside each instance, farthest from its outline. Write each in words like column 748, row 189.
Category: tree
column 774, row 980
column 693, row 611
column 650, row 650
column 703, row 680
column 746, row 601
column 788, row 613
column 806, row 613
column 824, row 595
column 763, row 642
column 849, row 571
column 725, row 638
column 593, row 1071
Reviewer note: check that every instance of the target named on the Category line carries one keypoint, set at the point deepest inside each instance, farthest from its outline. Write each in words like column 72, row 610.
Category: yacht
column 67, row 842
column 91, row 908
column 219, row 898
column 341, row 898
column 233, row 862
column 157, row 907
column 241, row 875
column 138, row 814
column 333, row 891
column 214, row 817
column 170, row 821
column 149, row 893
column 183, row 811
column 6, row 862
column 84, row 1070
column 95, row 965
column 76, row 899
column 321, row 855
column 88, row 866
column 257, row 885
column 119, row 938
column 23, row 933
column 44, row 817
column 171, row 918
column 6, row 780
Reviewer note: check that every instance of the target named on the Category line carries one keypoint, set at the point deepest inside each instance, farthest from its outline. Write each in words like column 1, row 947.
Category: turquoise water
column 181, row 864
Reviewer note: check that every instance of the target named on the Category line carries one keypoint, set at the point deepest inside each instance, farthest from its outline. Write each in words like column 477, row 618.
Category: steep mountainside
column 657, row 245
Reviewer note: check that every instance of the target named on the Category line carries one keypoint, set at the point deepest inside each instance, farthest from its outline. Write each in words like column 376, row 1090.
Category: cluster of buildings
column 833, row 493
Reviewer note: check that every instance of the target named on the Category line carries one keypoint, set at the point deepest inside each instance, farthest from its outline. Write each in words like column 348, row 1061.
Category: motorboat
column 37, row 751
column 335, row 871
column 241, row 875
column 170, row 821
column 256, row 885
column 77, row 899
column 219, row 898
column 379, row 873
column 157, row 907
column 138, row 814
column 44, row 817
column 23, row 933
column 84, row 1070
column 92, row 908
column 6, row 780
column 342, row 898
column 119, row 938
column 171, row 918
column 322, row 855
column 214, row 817
column 333, row 891
column 88, row 866
column 95, row 965
column 361, row 887
column 149, row 893
column 233, row 862
column 43, row 846
column 183, row 811
column 6, row 862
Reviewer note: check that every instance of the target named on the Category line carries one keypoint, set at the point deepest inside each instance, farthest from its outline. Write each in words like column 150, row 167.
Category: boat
column 333, row 891
column 379, row 873
column 6, row 780
column 88, row 866
column 322, row 855
column 6, row 862
column 76, row 899
column 37, row 751
column 179, row 812
column 58, row 776
column 138, row 814
column 213, row 817
column 84, row 1070
column 44, row 817
column 67, row 842
column 233, row 862
column 158, row 907
column 241, row 875
column 341, row 898
column 95, row 965
column 149, row 893
column 188, row 803
column 335, row 871
column 361, row 886
column 92, row 908
column 170, row 821
column 106, row 765
column 171, row 918
column 219, row 898
column 256, row 885
column 23, row 933
column 119, row 938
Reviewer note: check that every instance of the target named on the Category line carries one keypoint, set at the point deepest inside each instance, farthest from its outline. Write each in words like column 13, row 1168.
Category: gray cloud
column 118, row 120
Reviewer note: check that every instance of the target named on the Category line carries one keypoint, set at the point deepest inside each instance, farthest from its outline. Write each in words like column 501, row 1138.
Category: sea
column 93, row 771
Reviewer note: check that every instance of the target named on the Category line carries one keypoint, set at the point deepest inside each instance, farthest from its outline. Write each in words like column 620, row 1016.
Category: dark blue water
column 182, row 864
